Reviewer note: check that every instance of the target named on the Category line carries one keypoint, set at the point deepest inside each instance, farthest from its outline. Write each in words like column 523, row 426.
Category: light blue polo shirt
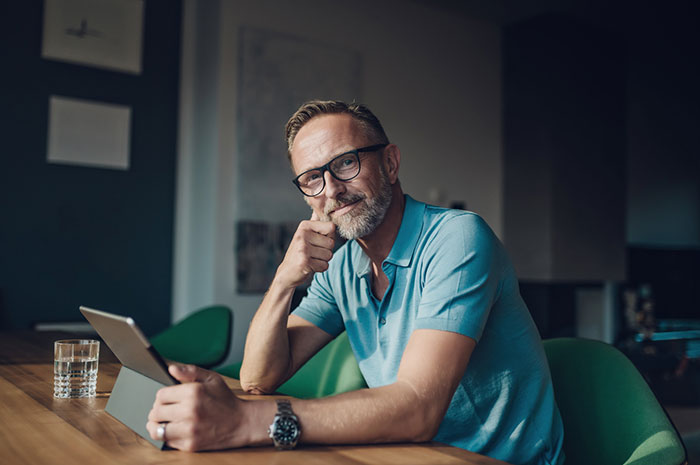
column 448, row 271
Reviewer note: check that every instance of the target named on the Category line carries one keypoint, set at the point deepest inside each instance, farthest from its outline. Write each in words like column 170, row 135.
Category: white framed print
column 100, row 33
column 88, row 133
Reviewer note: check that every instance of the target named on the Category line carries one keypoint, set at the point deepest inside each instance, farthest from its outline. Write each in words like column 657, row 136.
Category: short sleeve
column 460, row 276
column 319, row 306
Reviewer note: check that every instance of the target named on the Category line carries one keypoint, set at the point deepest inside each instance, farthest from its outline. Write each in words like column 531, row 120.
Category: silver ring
column 160, row 432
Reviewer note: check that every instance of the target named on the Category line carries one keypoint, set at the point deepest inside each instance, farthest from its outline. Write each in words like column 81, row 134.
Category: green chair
column 202, row 338
column 610, row 415
column 333, row 370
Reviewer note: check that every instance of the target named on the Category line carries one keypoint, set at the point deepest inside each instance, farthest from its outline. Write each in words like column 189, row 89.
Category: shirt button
column 382, row 321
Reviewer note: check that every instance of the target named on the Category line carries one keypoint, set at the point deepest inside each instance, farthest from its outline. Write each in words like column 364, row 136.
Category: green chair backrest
column 202, row 338
column 333, row 370
column 610, row 415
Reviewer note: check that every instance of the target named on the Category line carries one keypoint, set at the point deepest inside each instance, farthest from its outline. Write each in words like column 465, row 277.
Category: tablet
column 128, row 343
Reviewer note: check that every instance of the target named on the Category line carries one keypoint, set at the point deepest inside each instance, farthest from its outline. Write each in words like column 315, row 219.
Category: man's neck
column 378, row 244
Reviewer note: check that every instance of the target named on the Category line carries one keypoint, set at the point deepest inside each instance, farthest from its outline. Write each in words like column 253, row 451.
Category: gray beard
column 365, row 217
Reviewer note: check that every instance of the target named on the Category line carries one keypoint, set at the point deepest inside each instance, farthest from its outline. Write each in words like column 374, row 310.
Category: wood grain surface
column 37, row 429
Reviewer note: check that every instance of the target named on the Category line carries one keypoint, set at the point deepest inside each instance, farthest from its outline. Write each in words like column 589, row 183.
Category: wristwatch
column 285, row 429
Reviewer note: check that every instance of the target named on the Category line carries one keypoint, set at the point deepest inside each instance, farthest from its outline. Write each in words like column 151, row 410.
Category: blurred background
column 572, row 127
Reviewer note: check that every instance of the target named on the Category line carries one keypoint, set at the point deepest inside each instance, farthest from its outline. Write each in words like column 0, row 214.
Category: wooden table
column 37, row 429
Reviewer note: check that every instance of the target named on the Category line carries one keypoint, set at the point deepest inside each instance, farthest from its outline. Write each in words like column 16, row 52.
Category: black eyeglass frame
column 327, row 167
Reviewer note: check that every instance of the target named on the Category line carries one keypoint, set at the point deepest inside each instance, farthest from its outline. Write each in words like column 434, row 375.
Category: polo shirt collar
column 360, row 261
column 405, row 243
column 409, row 231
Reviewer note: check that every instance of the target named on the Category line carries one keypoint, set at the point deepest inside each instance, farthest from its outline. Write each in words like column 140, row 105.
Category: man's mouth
column 344, row 209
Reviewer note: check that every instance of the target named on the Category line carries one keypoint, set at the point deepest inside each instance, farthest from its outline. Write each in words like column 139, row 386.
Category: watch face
column 285, row 430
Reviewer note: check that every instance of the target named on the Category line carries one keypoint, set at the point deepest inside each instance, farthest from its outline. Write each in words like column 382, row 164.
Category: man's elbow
column 251, row 388
column 426, row 428
column 425, row 420
column 253, row 385
column 424, row 412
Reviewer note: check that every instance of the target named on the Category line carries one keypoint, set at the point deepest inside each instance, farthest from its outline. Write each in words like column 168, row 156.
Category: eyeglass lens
column 343, row 168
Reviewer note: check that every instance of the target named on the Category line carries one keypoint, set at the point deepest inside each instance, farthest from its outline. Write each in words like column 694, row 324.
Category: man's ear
column 392, row 161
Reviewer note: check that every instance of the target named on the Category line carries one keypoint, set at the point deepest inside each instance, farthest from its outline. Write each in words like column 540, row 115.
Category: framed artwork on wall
column 100, row 33
column 277, row 72
column 88, row 133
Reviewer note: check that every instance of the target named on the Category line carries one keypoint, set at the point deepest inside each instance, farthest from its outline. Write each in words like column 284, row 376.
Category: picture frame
column 88, row 133
column 104, row 34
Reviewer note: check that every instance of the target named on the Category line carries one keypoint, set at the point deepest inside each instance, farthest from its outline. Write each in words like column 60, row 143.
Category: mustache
column 341, row 201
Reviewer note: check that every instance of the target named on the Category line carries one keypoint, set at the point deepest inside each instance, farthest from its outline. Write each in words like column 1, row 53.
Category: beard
column 366, row 216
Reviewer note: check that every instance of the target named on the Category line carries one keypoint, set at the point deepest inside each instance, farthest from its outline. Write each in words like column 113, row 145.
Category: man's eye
column 344, row 163
column 310, row 178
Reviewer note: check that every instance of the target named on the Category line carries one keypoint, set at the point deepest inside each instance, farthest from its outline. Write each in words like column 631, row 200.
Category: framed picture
column 88, row 133
column 100, row 33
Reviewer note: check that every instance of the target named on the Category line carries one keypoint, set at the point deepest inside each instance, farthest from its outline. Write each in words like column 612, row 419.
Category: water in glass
column 75, row 368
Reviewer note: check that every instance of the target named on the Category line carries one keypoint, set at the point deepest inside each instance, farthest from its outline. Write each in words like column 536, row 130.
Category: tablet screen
column 128, row 343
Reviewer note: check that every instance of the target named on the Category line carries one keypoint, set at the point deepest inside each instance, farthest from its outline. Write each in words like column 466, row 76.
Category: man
column 427, row 296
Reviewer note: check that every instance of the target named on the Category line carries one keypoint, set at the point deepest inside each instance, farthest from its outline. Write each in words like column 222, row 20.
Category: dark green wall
column 73, row 235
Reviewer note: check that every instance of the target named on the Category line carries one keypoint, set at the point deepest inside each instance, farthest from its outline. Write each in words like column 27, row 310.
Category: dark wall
column 660, row 64
column 564, row 150
column 74, row 235
column 663, row 98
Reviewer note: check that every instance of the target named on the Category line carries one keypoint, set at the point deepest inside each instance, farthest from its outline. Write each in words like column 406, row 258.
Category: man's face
column 357, row 206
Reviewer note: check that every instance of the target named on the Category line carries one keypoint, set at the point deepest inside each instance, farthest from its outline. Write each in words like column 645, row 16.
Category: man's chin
column 352, row 227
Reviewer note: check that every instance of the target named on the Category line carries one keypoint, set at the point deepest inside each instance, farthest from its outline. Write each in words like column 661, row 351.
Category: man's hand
column 308, row 253
column 201, row 414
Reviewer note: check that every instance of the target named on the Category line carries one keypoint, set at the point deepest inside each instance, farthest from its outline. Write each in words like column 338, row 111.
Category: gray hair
column 369, row 123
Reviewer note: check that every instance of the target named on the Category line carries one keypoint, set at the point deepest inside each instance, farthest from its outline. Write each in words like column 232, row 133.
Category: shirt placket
column 390, row 272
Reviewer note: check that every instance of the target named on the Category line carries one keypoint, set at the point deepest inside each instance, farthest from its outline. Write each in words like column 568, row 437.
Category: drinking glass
column 75, row 368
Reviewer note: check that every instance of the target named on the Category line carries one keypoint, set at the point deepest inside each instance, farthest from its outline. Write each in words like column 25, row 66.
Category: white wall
column 433, row 79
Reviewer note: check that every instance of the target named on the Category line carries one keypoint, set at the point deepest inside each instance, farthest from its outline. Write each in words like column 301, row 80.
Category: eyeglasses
column 344, row 167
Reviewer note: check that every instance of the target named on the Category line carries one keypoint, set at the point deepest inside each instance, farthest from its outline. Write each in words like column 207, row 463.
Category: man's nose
column 333, row 186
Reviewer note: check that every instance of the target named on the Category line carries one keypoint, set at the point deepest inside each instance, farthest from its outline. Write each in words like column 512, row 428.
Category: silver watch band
column 284, row 407
column 285, row 429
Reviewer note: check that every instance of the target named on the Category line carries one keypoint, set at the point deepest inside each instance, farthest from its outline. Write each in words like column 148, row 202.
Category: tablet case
column 132, row 395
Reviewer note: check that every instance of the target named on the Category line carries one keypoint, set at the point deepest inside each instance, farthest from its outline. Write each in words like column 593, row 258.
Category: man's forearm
column 393, row 413
column 204, row 414
column 266, row 360
column 410, row 409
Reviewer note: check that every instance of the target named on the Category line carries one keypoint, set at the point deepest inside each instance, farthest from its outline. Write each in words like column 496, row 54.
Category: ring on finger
column 160, row 432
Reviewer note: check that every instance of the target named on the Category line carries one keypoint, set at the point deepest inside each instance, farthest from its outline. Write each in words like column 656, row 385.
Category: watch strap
column 284, row 411
column 284, row 407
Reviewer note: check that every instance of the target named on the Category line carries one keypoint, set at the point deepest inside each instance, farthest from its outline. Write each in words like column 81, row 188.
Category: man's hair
column 369, row 123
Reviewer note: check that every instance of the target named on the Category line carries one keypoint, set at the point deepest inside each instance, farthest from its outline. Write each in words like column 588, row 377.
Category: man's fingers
column 310, row 250
column 172, row 394
column 320, row 253
column 163, row 412
column 326, row 228
column 180, row 435
column 152, row 427
column 183, row 373
column 319, row 240
column 190, row 373
column 170, row 430
column 318, row 266
column 174, row 432
column 187, row 390
column 330, row 230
